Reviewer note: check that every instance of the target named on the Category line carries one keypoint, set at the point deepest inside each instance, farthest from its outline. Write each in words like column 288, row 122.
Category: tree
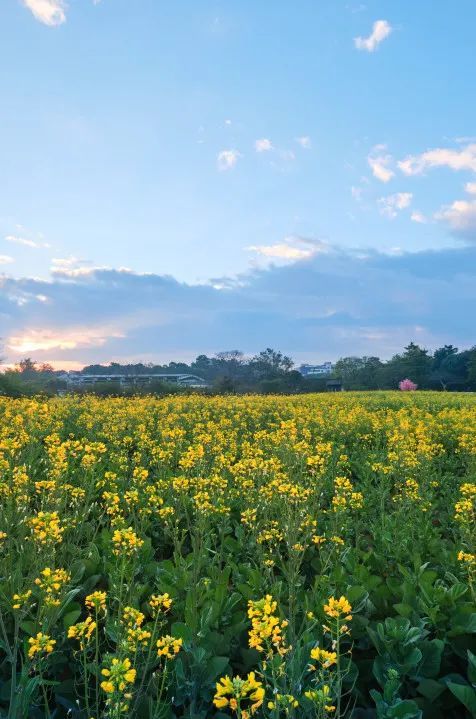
column 450, row 368
column 27, row 367
column 228, row 364
column 471, row 374
column 270, row 363
column 358, row 372
column 235, row 356
column 406, row 385
column 46, row 368
column 414, row 363
column 440, row 355
column 348, row 370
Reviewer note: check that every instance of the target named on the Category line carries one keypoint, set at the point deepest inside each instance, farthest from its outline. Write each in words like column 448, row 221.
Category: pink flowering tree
column 406, row 385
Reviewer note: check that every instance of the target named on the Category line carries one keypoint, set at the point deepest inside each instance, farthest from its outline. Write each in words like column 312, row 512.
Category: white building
column 77, row 379
column 316, row 370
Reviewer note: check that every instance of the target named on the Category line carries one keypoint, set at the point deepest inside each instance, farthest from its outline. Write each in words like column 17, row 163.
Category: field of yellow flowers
column 222, row 557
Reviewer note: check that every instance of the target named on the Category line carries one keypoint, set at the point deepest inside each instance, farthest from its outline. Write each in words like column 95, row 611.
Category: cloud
column 470, row 188
column 339, row 301
column 263, row 145
column 419, row 217
column 41, row 340
column 287, row 155
column 292, row 249
column 281, row 251
column 392, row 203
column 461, row 159
column 379, row 161
column 460, row 218
column 17, row 240
column 49, row 12
column 305, row 142
column 381, row 29
column 5, row 259
column 227, row 159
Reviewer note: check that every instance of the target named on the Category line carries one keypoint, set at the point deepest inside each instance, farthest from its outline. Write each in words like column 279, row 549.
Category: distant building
column 316, row 370
column 334, row 385
column 77, row 379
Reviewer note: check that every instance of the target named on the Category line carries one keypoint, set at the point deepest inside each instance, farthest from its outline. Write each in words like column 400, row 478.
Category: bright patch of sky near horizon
column 202, row 140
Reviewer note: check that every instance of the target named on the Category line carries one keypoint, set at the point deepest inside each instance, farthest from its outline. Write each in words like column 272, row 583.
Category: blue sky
column 189, row 177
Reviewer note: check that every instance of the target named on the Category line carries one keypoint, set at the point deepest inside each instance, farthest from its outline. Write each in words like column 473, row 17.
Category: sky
column 187, row 177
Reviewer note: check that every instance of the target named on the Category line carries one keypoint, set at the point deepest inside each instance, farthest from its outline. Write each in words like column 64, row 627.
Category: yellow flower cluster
column 136, row 636
column 321, row 698
column 82, row 631
column 242, row 696
column 465, row 508
column 266, row 633
column 324, row 658
column 119, row 676
column 168, row 646
column 96, row 600
column 160, row 603
column 41, row 644
column 338, row 608
column 126, row 542
column 345, row 496
column 46, row 527
column 19, row 600
column 51, row 582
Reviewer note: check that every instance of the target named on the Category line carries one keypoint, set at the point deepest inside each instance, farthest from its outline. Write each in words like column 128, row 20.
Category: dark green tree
column 270, row 364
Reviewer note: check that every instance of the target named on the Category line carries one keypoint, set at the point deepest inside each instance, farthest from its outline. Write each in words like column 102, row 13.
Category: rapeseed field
column 197, row 557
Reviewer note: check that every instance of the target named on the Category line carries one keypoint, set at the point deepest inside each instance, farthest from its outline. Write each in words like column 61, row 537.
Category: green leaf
column 466, row 694
column 5, row 688
column 463, row 623
column 431, row 661
column 431, row 689
column 404, row 610
column 181, row 631
column 71, row 617
column 29, row 628
column 471, row 667
column 216, row 667
column 406, row 709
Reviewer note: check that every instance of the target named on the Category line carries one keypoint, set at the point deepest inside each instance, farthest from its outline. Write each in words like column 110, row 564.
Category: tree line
column 267, row 372
column 447, row 368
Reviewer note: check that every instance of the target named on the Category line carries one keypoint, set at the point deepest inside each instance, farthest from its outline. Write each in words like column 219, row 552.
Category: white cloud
column 379, row 163
column 291, row 249
column 380, row 30
column 263, row 145
column 70, row 261
column 356, row 192
column 470, row 188
column 463, row 159
column 17, row 240
column 37, row 340
column 49, row 12
column 460, row 217
column 305, row 142
column 227, row 159
column 281, row 251
column 392, row 203
column 419, row 217
column 5, row 259
column 287, row 155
